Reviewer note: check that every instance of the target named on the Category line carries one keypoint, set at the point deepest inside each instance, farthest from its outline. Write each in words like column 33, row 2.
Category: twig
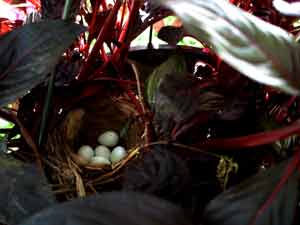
column 140, row 94
column 134, row 100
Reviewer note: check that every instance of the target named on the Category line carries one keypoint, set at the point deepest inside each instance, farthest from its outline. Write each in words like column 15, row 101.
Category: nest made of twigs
column 81, row 126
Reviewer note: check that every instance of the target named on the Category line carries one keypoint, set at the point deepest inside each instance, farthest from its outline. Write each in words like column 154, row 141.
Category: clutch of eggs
column 101, row 155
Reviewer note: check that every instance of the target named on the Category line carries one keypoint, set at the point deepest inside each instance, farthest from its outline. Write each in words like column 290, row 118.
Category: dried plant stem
column 140, row 94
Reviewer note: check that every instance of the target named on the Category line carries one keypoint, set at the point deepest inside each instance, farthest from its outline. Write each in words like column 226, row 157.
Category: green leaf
column 29, row 54
column 175, row 64
column 257, row 49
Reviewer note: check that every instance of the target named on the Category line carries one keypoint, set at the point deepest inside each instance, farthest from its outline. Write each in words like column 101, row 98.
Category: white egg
column 109, row 138
column 117, row 154
column 103, row 151
column 86, row 152
column 99, row 161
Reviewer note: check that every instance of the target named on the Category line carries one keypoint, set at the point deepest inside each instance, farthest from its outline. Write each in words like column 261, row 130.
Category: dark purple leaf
column 23, row 191
column 255, row 201
column 257, row 49
column 29, row 54
column 115, row 208
column 180, row 97
column 158, row 172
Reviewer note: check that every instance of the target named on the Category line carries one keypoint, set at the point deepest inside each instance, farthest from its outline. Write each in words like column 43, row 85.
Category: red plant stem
column 132, row 15
column 92, row 27
column 103, row 54
column 253, row 140
column 123, row 35
column 135, row 101
column 124, row 82
column 112, row 59
column 123, row 14
column 291, row 101
column 99, row 71
column 291, row 167
column 123, row 38
column 108, row 26
column 104, row 6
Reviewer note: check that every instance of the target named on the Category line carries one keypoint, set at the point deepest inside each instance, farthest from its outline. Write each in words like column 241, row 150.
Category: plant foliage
column 254, row 47
column 30, row 53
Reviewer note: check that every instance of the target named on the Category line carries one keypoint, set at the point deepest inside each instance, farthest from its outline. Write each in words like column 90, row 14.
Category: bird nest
column 81, row 126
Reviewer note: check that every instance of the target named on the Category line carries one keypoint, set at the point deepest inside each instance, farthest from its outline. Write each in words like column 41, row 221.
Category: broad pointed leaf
column 257, row 49
column 23, row 190
column 115, row 208
column 159, row 172
column 29, row 54
column 286, row 8
column 180, row 97
column 255, row 201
